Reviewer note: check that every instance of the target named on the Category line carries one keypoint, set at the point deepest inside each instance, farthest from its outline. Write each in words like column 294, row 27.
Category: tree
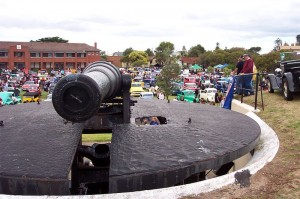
column 210, row 69
column 278, row 43
column 227, row 71
column 217, row 46
column 254, row 50
column 149, row 52
column 126, row 53
column 183, row 52
column 163, row 52
column 138, row 58
column 196, row 51
column 51, row 39
column 169, row 74
column 103, row 55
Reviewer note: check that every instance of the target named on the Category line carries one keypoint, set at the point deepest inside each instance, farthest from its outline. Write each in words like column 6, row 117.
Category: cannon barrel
column 77, row 97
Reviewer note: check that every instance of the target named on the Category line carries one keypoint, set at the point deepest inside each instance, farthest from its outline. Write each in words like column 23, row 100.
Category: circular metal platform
column 38, row 147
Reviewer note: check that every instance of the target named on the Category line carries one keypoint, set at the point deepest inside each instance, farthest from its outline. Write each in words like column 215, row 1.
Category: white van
column 146, row 95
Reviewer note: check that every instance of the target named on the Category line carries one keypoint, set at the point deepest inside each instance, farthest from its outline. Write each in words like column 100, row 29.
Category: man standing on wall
column 247, row 73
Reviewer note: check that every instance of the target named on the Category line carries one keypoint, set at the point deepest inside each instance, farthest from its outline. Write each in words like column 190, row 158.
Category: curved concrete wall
column 265, row 151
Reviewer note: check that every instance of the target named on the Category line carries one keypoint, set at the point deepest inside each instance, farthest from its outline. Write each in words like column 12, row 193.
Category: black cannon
column 78, row 97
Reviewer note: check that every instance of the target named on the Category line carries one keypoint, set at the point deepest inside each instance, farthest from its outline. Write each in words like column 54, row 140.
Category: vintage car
column 146, row 95
column 136, row 89
column 190, row 86
column 30, row 97
column 176, row 88
column 285, row 79
column 208, row 94
column 9, row 98
column 34, row 88
column 26, row 85
column 187, row 95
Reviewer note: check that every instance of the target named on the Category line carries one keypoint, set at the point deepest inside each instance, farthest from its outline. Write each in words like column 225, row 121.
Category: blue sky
column 119, row 24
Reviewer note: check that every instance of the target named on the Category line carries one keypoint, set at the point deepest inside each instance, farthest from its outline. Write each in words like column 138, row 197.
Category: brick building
column 46, row 55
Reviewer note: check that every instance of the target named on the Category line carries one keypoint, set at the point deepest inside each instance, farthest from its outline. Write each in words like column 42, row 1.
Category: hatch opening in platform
column 150, row 120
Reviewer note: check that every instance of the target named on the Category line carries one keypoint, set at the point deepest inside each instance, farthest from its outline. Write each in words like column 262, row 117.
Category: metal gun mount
column 78, row 97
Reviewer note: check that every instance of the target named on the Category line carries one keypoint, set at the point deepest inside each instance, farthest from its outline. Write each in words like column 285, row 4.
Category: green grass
column 103, row 137
column 43, row 96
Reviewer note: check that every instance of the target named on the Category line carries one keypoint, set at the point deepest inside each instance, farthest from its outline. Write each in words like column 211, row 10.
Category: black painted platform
column 147, row 157
column 37, row 149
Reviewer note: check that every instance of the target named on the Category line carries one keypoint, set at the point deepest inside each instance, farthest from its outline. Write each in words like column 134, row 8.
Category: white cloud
column 117, row 25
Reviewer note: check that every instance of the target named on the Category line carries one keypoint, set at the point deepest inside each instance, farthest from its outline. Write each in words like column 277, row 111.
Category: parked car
column 190, row 86
column 30, row 97
column 9, row 98
column 285, row 79
column 187, row 95
column 208, row 94
column 34, row 88
column 176, row 88
column 146, row 95
column 148, row 83
column 136, row 89
column 26, row 85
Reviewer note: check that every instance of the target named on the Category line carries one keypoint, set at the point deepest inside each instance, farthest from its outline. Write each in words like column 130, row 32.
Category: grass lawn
column 43, row 96
column 103, row 137
column 280, row 178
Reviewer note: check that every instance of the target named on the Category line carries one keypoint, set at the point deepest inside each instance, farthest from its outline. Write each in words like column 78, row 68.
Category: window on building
column 59, row 54
column 3, row 65
column 47, row 54
column 70, row 65
column 3, row 54
column 18, row 54
column 35, row 54
column 70, row 54
column 81, row 54
column 19, row 65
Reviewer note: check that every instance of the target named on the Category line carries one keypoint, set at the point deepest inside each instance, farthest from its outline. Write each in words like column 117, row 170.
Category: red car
column 190, row 86
column 34, row 88
column 26, row 85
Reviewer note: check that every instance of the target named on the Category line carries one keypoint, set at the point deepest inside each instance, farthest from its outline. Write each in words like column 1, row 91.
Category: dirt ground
column 281, row 177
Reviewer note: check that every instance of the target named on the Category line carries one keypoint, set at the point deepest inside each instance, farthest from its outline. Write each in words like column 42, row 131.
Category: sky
column 120, row 24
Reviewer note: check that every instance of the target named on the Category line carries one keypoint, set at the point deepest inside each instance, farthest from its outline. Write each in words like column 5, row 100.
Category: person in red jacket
column 247, row 73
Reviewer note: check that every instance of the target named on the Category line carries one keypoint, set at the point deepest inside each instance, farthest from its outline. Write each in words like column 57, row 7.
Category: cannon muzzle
column 77, row 97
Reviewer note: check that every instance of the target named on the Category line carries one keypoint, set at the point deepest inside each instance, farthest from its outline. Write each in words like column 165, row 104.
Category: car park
column 285, row 79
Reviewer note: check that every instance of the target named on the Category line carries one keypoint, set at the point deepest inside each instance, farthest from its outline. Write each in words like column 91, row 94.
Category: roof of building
column 189, row 60
column 49, row 46
column 289, row 47
column 117, row 54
